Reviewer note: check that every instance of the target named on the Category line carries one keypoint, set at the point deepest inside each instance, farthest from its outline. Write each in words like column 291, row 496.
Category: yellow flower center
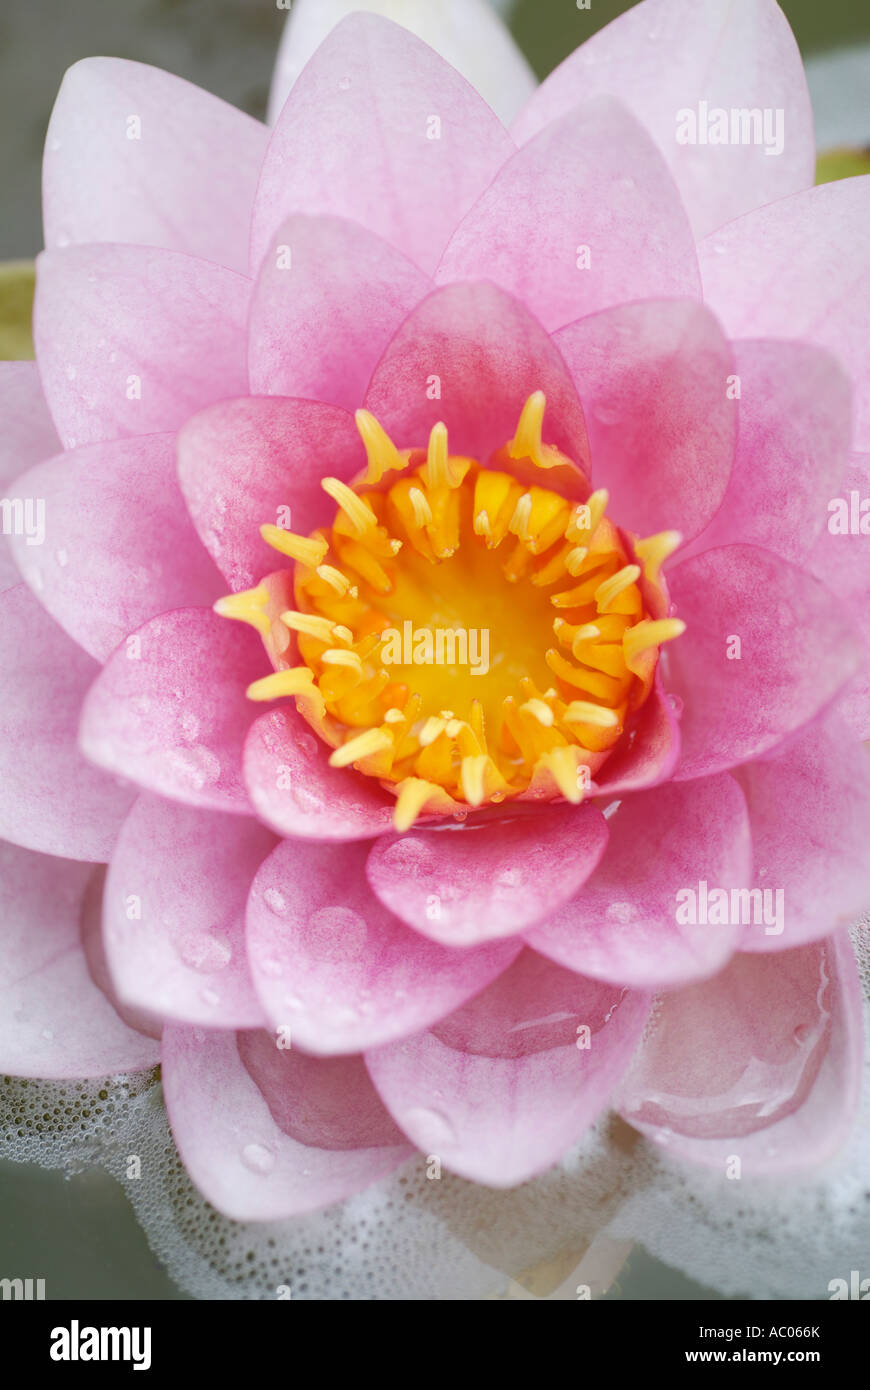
column 470, row 632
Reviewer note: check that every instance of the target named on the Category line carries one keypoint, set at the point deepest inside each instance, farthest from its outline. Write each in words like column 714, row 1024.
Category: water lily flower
column 388, row 367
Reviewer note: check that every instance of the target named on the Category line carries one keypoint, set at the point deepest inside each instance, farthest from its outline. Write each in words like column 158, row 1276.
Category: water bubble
column 337, row 932
column 271, row 967
column 431, row 1129
column 62, row 557
column 344, row 84
column 204, row 950
column 410, row 855
column 621, row 912
column 258, row 1158
column 197, row 765
column 275, row 900
column 190, row 726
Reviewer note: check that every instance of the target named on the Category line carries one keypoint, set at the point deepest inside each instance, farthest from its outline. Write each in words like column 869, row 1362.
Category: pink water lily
column 596, row 390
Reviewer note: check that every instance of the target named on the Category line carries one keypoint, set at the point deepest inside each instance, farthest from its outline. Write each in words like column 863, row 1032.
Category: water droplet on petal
column 430, row 1128
column 275, row 900
column 336, row 932
column 258, row 1158
column 205, row 951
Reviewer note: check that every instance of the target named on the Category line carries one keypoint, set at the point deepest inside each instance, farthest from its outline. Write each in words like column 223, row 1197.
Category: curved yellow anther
column 248, row 606
column 652, row 551
column 298, row 680
column 647, row 634
column 308, row 550
column 360, row 516
column 437, row 463
column 381, row 453
column 361, row 746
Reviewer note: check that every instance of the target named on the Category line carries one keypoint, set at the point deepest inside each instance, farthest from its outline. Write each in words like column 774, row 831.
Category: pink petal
column 810, row 811
column 236, row 1148
column 54, row 1020
column 666, row 56
column 793, row 440
column 468, row 33
column 356, row 138
column 169, row 711
column 653, row 753
column 26, row 436
column 623, row 924
column 800, row 268
column 486, row 881
column 472, row 355
column 174, row 913
column 133, row 340
column 592, row 185
column 502, row 1089
column 797, row 649
column 334, row 967
column 761, row 1063
column 296, row 792
column 50, row 798
column 248, row 462
column 319, row 324
column 186, row 181
column 119, row 547
column 652, row 380
column 841, row 559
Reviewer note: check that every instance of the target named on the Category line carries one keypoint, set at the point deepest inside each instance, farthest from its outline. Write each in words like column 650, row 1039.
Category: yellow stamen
column 296, row 681
column 307, row 550
column 381, row 453
column 248, row 606
column 361, row 746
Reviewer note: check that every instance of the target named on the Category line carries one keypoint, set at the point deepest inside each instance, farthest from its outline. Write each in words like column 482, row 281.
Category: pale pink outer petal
column 800, row 268
column 479, row 883
column 51, row 799
column 234, row 1149
column 119, row 547
column 666, row 56
column 336, row 968
column 797, row 649
column 593, row 188
column 174, row 913
column 134, row 339
column 761, row 1063
column 794, row 428
column 652, row 380
column 379, row 129
column 329, row 297
column 253, row 461
column 810, row 812
column 502, row 1089
column 622, row 924
column 295, row 791
column 26, row 436
column 54, row 1020
column 842, row 561
column 467, row 33
column 471, row 355
column 184, row 178
column 169, row 711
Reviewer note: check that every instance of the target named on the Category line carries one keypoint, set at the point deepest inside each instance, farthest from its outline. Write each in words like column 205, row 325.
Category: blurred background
column 79, row 1233
column 228, row 47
